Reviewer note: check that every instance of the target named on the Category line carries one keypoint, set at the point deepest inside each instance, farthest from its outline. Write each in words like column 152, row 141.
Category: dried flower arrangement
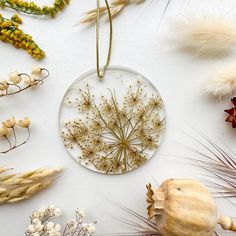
column 206, row 36
column 10, row 33
column 40, row 224
column 18, row 82
column 8, row 133
column 33, row 9
column 116, row 6
column 111, row 137
column 18, row 187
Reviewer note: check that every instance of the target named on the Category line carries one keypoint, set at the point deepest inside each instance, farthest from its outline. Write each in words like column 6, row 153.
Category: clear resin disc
column 112, row 126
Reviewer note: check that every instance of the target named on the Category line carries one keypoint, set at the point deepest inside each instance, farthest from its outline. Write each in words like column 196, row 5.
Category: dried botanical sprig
column 33, row 9
column 221, row 163
column 223, row 82
column 18, row 82
column 116, row 6
column 8, row 133
column 41, row 224
column 205, row 36
column 232, row 113
column 18, row 187
column 10, row 33
column 115, row 138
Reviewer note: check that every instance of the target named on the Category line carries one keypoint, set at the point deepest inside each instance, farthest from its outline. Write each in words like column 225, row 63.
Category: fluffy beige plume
column 208, row 36
column 116, row 6
column 223, row 82
column 18, row 187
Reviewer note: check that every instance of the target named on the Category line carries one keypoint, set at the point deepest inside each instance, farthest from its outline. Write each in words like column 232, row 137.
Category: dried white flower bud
column 82, row 212
column 72, row 224
column 31, row 229
column 24, row 123
column 14, row 77
column 36, row 70
column 50, row 225
column 3, row 131
column 3, row 85
column 57, row 212
column 89, row 227
column 10, row 123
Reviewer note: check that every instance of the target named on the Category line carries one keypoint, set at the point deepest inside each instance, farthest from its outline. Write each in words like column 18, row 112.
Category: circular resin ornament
column 114, row 125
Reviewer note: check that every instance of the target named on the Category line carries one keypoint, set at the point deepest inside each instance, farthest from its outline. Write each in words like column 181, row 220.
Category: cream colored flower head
column 24, row 123
column 10, row 123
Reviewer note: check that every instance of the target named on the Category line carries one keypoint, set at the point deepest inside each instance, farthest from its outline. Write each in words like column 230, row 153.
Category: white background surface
column 71, row 52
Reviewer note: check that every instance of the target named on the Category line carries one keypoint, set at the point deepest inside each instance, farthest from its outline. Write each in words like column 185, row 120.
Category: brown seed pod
column 184, row 207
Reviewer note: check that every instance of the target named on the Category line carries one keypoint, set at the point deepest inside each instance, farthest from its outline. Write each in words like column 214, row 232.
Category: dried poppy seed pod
column 185, row 208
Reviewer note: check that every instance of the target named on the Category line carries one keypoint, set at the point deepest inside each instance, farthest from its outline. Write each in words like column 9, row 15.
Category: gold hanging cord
column 101, row 73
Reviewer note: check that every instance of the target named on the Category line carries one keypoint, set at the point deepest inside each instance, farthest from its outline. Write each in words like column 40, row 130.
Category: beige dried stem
column 18, row 187
column 116, row 6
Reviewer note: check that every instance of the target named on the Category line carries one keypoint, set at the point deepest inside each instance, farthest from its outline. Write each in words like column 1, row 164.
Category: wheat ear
column 116, row 6
column 18, row 187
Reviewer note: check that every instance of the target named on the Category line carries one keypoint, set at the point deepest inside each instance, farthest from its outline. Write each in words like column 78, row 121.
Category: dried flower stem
column 15, row 83
column 8, row 130
column 34, row 9
column 18, row 187
column 116, row 6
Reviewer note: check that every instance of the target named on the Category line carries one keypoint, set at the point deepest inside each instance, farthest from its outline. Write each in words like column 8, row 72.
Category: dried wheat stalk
column 116, row 6
column 18, row 187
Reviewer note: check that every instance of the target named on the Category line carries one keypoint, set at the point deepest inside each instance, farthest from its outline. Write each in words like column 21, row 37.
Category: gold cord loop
column 101, row 73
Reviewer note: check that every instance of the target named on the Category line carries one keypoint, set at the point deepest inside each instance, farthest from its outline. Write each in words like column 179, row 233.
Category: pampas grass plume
column 208, row 36
column 223, row 82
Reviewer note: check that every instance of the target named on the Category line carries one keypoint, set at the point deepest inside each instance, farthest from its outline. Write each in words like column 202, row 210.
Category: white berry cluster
column 17, row 82
column 41, row 224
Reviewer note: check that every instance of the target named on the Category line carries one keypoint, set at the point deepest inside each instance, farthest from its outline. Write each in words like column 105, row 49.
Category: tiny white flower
column 49, row 226
column 57, row 227
column 82, row 212
column 72, row 224
column 57, row 212
column 51, row 207
column 90, row 228
column 36, row 215
column 36, row 221
column 42, row 211
column 31, row 229
column 39, row 227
